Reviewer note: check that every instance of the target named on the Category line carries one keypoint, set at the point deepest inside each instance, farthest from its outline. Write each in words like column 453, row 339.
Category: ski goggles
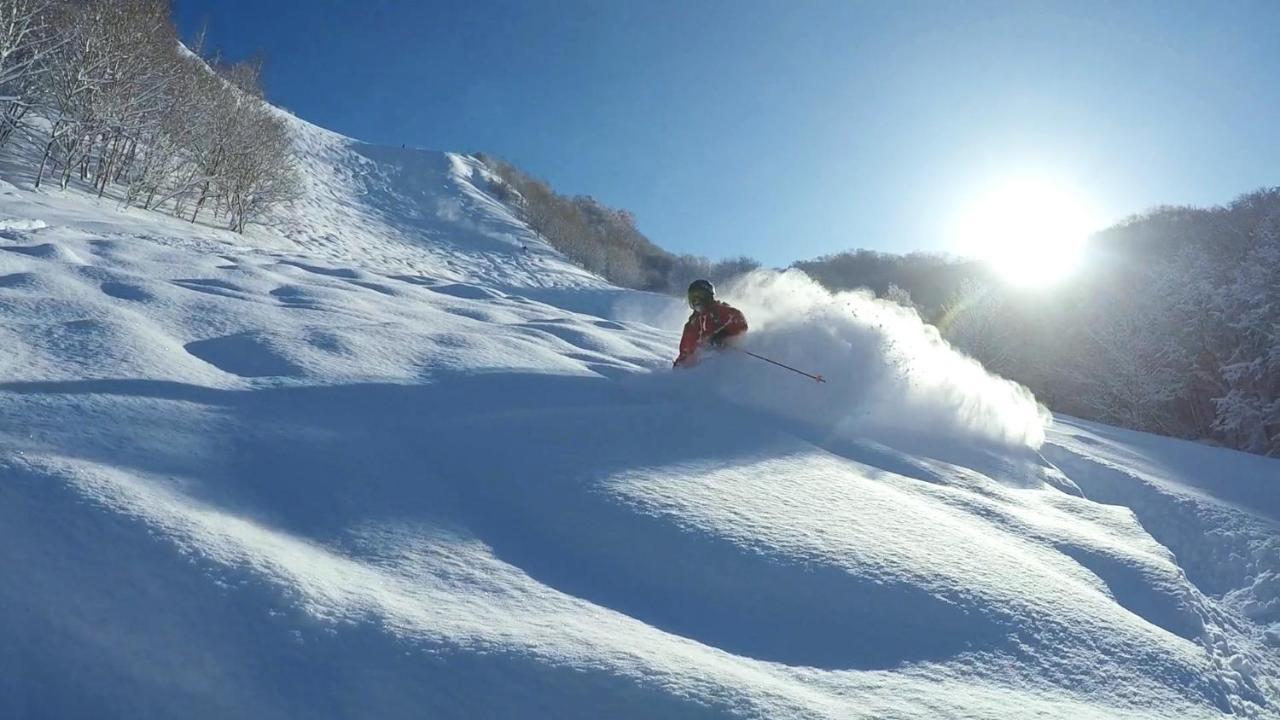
column 698, row 298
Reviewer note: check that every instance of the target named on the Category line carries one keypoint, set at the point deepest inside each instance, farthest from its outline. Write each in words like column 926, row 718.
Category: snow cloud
column 886, row 369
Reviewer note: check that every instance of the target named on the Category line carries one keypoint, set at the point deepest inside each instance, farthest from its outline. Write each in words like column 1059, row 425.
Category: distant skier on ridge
column 712, row 323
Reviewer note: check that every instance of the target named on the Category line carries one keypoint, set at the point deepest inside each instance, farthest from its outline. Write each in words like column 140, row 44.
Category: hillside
column 391, row 455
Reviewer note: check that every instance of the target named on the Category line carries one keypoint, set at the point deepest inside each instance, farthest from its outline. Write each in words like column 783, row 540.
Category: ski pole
column 819, row 378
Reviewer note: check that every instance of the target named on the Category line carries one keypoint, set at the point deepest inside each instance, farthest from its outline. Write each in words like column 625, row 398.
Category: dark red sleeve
column 689, row 340
column 734, row 322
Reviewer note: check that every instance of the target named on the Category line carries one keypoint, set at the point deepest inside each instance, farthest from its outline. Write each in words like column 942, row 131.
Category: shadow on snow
column 521, row 461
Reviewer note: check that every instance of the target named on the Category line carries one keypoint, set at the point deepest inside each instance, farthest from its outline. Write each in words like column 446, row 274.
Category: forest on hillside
column 1172, row 324
column 602, row 239
column 103, row 94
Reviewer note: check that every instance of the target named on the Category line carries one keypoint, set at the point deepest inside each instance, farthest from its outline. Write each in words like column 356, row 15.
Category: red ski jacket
column 720, row 318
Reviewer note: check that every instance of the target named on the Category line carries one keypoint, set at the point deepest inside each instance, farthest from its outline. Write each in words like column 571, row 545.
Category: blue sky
column 787, row 130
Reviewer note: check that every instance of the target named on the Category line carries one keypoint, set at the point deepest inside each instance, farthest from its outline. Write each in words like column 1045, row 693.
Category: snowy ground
column 394, row 457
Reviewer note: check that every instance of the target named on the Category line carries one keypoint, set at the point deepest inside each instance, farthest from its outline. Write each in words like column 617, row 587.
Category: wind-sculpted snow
column 294, row 475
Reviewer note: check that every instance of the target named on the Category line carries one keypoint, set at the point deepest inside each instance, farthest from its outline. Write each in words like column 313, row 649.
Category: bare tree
column 260, row 172
column 27, row 38
column 134, row 105
column 601, row 239
column 100, row 80
column 1129, row 371
column 160, row 164
column 899, row 295
column 127, row 103
column 975, row 321
column 1248, row 411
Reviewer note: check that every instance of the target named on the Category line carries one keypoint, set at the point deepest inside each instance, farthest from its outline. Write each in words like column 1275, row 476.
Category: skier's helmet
column 701, row 293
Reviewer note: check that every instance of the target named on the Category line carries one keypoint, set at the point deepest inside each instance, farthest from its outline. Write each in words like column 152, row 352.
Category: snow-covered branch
column 126, row 103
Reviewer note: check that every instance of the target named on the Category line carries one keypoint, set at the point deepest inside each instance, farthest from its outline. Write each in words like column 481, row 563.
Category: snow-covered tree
column 27, row 38
column 602, row 239
column 125, row 102
column 259, row 171
column 978, row 322
column 1248, row 308
column 899, row 295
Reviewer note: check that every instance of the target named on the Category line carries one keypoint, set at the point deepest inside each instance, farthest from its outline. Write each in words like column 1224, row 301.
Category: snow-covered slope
column 395, row 457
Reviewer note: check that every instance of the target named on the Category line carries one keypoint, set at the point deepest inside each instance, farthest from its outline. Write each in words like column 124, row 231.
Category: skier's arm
column 733, row 325
column 688, row 343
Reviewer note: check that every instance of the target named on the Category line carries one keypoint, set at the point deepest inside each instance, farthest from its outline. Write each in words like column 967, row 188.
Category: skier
column 712, row 323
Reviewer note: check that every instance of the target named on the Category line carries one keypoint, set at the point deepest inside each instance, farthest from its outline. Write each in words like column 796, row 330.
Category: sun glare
column 1031, row 231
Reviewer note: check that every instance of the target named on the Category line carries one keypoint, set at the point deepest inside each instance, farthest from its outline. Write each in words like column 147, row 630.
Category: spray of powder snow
column 886, row 370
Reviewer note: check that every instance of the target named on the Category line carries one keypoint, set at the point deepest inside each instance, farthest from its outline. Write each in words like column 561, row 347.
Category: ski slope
column 393, row 456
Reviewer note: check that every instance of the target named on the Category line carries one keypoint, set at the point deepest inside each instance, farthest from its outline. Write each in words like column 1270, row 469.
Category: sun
column 1032, row 231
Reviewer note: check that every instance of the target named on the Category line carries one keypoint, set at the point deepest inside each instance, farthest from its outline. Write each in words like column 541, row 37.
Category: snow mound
column 7, row 223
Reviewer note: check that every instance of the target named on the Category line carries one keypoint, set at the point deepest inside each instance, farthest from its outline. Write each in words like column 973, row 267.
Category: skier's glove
column 718, row 339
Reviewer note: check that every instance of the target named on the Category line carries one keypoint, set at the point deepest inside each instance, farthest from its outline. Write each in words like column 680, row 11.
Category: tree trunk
column 101, row 172
column 110, row 159
column 127, row 162
column 12, row 118
column 48, row 150
column 204, row 193
column 69, row 166
column 84, row 160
